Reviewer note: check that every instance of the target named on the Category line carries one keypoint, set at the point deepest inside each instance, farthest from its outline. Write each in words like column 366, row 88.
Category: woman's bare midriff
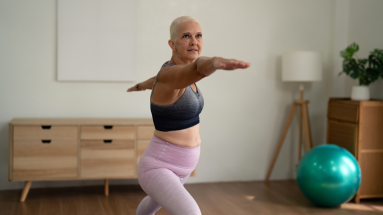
column 188, row 137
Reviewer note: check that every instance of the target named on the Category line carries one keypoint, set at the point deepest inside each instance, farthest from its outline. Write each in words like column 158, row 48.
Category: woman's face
column 188, row 42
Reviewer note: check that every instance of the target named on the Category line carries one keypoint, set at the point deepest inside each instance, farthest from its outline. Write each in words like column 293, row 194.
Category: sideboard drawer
column 108, row 159
column 33, row 159
column 107, row 132
column 343, row 112
column 145, row 132
column 45, row 132
column 141, row 146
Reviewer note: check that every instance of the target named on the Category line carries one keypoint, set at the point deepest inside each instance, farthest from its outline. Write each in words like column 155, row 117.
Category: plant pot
column 360, row 93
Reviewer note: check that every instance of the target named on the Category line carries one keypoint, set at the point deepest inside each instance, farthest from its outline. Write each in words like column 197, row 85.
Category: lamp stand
column 303, row 119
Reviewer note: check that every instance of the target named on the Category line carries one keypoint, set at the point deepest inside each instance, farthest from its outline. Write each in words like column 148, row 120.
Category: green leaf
column 349, row 51
column 378, row 53
column 351, row 68
column 356, row 68
column 372, row 74
column 376, row 61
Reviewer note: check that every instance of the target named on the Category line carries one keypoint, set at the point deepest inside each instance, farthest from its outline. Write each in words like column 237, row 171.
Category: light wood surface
column 286, row 128
column 104, row 160
column 306, row 126
column 300, row 133
column 52, row 149
column 145, row 132
column 300, row 128
column 51, row 132
column 24, row 194
column 33, row 159
column 141, row 146
column 82, row 121
column 107, row 132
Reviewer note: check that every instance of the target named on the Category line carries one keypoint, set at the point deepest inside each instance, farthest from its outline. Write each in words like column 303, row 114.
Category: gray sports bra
column 182, row 114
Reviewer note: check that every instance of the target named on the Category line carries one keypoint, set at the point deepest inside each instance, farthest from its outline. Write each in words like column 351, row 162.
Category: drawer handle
column 46, row 141
column 108, row 126
column 46, row 126
column 107, row 141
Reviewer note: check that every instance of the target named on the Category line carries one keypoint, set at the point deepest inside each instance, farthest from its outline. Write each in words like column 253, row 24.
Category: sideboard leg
column 357, row 198
column 24, row 194
column 106, row 187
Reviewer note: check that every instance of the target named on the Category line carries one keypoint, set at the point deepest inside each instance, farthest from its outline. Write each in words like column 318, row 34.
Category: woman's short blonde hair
column 176, row 22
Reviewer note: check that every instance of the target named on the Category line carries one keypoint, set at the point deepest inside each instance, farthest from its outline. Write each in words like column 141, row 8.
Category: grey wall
column 244, row 110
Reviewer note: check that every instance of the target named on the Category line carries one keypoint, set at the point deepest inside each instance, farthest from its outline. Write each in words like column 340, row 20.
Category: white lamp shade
column 301, row 66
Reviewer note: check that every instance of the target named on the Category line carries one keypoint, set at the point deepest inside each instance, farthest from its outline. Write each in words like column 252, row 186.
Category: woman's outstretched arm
column 148, row 84
column 181, row 76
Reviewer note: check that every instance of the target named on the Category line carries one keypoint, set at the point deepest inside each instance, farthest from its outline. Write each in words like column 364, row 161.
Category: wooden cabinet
column 358, row 127
column 43, row 149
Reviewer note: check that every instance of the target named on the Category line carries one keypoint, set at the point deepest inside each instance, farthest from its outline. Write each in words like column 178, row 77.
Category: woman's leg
column 165, row 188
column 162, row 171
column 149, row 207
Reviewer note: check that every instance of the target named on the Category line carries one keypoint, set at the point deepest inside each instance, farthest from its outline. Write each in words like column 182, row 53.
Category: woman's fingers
column 235, row 64
column 135, row 88
column 229, row 64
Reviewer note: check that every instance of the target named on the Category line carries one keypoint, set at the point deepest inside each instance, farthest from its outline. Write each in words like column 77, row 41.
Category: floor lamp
column 299, row 66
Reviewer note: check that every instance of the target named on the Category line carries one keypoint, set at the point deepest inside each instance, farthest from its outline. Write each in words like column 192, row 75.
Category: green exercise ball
column 328, row 175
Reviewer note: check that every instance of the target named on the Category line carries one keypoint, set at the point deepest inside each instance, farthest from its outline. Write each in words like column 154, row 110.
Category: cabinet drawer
column 343, row 134
column 343, row 112
column 141, row 146
column 113, row 159
column 107, row 132
column 145, row 132
column 33, row 160
column 45, row 132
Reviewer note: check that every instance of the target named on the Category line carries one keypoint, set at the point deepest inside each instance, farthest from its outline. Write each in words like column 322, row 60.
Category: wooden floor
column 234, row 198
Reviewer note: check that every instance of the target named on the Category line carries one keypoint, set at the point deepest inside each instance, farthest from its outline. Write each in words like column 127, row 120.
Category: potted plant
column 366, row 70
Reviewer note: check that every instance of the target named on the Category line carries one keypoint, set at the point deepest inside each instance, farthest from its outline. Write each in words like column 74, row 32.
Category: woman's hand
column 208, row 65
column 229, row 64
column 135, row 88
column 146, row 85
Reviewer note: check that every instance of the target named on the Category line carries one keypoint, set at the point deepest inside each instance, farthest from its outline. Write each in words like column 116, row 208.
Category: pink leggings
column 162, row 171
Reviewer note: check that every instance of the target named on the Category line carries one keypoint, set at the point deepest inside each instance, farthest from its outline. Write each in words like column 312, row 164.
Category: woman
column 176, row 103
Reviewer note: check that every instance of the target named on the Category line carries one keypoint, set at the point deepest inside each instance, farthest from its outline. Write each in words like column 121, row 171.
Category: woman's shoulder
column 167, row 63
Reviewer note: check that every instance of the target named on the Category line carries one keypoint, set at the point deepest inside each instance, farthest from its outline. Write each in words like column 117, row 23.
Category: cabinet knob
column 107, row 141
column 46, row 141
column 108, row 126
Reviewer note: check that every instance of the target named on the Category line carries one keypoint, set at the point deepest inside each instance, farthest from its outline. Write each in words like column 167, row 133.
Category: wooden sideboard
column 358, row 127
column 48, row 149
